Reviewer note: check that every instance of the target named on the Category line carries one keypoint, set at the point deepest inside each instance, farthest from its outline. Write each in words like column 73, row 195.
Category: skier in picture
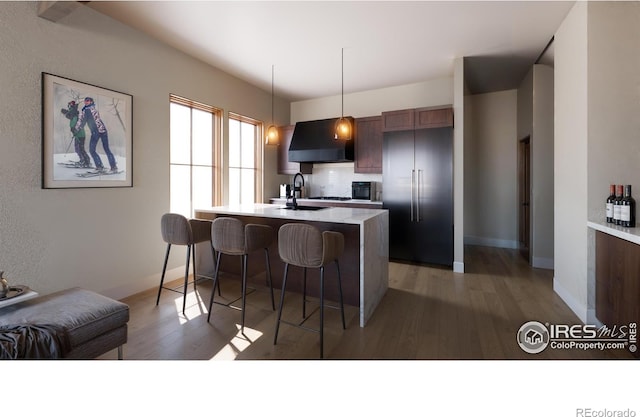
column 71, row 113
column 91, row 117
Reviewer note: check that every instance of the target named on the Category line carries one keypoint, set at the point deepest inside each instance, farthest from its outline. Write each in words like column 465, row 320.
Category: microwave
column 363, row 190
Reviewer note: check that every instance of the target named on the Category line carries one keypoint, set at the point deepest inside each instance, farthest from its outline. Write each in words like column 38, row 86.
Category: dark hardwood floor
column 427, row 313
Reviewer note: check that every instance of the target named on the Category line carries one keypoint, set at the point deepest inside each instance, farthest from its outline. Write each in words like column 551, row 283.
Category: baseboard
column 544, row 263
column 143, row 283
column 458, row 267
column 592, row 319
column 580, row 310
column 487, row 241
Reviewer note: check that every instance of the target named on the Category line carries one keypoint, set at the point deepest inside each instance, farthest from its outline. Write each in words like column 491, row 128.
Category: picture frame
column 86, row 135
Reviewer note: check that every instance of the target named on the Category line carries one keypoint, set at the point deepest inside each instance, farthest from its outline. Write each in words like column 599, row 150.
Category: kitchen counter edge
column 630, row 234
column 346, row 215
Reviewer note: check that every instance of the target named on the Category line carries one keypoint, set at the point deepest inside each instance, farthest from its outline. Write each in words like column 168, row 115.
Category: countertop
column 346, row 215
column 630, row 234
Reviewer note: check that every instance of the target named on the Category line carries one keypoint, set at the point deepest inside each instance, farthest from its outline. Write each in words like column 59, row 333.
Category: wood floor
column 427, row 313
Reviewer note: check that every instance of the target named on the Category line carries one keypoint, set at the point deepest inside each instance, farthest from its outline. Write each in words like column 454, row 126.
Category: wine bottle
column 617, row 205
column 610, row 200
column 628, row 209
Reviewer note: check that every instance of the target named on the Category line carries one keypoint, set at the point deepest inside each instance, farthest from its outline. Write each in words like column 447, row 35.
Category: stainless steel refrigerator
column 417, row 183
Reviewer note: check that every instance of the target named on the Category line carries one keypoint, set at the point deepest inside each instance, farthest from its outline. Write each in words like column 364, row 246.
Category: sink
column 311, row 208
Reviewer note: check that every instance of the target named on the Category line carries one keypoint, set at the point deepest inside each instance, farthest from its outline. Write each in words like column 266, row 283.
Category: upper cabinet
column 423, row 118
column 397, row 120
column 427, row 118
column 284, row 166
column 368, row 145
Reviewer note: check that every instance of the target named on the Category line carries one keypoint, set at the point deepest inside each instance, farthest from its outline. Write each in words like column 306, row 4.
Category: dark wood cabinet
column 284, row 166
column 422, row 118
column 368, row 145
column 429, row 118
column 397, row 120
column 617, row 281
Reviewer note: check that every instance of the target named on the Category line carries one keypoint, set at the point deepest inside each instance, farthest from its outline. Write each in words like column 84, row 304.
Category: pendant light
column 272, row 131
column 343, row 126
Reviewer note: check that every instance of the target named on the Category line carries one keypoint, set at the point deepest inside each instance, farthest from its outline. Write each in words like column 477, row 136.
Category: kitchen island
column 364, row 265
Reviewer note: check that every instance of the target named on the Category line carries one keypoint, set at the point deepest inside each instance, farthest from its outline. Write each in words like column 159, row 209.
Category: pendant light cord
column 342, row 82
column 272, row 121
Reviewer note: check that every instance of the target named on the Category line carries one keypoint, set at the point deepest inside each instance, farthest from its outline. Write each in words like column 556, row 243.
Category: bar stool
column 178, row 230
column 231, row 237
column 305, row 246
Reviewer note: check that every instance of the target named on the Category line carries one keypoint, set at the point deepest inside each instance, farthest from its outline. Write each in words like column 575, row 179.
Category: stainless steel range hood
column 313, row 141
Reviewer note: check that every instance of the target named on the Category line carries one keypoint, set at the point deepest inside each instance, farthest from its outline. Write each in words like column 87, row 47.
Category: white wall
column 597, row 73
column 570, row 160
column 435, row 92
column 461, row 134
column 614, row 100
column 491, row 171
column 106, row 240
column 614, row 105
column 535, row 120
column 542, row 169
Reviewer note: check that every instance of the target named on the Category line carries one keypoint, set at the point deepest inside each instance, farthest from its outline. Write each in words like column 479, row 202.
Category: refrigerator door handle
column 418, row 195
column 413, row 171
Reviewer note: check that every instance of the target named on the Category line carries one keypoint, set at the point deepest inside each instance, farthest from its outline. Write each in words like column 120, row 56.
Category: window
column 194, row 155
column 245, row 160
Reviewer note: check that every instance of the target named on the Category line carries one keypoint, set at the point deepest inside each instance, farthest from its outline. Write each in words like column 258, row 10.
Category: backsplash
column 335, row 180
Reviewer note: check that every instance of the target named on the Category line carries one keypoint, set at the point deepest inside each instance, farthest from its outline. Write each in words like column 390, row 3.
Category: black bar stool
column 305, row 246
column 178, row 230
column 231, row 237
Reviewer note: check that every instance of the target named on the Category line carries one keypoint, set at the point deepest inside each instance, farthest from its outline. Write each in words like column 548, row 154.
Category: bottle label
column 625, row 213
column 616, row 212
column 609, row 210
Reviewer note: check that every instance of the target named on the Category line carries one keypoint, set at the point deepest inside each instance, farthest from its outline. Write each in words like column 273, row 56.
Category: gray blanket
column 33, row 341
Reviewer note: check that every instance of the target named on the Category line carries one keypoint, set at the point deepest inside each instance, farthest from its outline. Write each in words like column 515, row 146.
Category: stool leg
column 304, row 294
column 273, row 303
column 244, row 287
column 195, row 273
column 186, row 279
column 215, row 282
column 164, row 269
column 213, row 257
column 321, row 312
column 344, row 326
column 284, row 285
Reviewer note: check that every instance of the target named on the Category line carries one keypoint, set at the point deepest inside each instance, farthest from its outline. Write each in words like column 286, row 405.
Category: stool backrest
column 227, row 235
column 176, row 229
column 300, row 244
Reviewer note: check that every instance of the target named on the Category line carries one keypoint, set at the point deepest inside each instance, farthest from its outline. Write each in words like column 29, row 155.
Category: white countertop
column 346, row 215
column 630, row 234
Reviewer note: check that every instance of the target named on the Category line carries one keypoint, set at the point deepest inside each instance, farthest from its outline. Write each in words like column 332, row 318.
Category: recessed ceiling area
column 386, row 43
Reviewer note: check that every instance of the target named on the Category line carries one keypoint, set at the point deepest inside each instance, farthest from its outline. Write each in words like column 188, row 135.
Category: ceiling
column 385, row 43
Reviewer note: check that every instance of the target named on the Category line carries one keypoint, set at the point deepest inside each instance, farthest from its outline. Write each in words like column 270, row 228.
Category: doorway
column 524, row 193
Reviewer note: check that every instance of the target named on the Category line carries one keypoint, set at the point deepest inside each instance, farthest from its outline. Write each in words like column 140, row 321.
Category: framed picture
column 86, row 135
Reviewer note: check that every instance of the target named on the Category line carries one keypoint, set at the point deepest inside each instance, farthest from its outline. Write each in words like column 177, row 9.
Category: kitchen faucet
column 297, row 188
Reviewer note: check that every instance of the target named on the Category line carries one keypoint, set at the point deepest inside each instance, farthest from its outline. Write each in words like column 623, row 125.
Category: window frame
column 216, row 147
column 258, row 153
